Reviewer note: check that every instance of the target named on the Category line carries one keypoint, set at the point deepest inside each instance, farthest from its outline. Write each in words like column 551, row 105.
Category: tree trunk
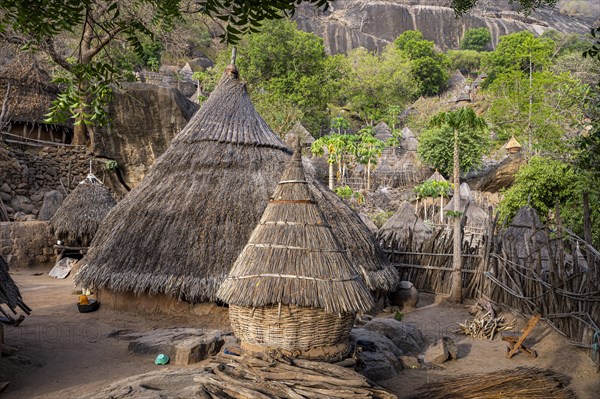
column 369, row 175
column 456, row 290
column 331, row 177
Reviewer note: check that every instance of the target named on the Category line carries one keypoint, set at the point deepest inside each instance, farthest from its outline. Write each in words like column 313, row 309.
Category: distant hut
column 462, row 99
column 477, row 218
column 10, row 296
column 30, row 96
column 299, row 131
column 293, row 288
column 404, row 231
column 178, row 232
column 456, row 82
column 526, row 237
column 383, row 132
column 384, row 174
column 513, row 146
column 436, row 176
column 408, row 142
column 76, row 221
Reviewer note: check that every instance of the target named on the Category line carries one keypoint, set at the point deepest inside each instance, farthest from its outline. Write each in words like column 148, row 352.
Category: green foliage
column 436, row 144
column 111, row 165
column 339, row 124
column 520, row 51
column 428, row 67
column 466, row 61
column 477, row 39
column 375, row 80
column 398, row 315
column 433, row 188
column 380, row 218
column 543, row 182
column 454, row 214
column 344, row 192
column 369, row 148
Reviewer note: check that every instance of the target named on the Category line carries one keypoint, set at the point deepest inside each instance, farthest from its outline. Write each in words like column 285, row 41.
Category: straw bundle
column 10, row 296
column 82, row 212
column 522, row 382
column 180, row 230
column 402, row 228
column 293, row 257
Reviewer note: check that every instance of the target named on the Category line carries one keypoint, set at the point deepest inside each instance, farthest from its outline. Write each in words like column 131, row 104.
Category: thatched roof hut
column 476, row 217
column 526, row 236
column 298, row 130
column 404, row 231
column 383, row 132
column 409, row 142
column 81, row 213
column 513, row 146
column 10, row 296
column 180, row 230
column 436, row 176
column 292, row 286
column 31, row 91
column 456, row 81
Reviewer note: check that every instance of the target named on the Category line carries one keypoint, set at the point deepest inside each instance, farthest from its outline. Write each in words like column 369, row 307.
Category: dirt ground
column 62, row 353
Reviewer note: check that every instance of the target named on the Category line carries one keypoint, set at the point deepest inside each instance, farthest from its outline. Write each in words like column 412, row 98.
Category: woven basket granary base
column 296, row 331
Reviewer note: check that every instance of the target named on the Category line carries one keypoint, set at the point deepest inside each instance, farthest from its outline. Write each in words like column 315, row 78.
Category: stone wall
column 36, row 171
column 27, row 245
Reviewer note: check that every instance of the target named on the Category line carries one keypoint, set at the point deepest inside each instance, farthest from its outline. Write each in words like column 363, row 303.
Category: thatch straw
column 10, row 296
column 82, row 212
column 436, row 176
column 383, row 132
column 181, row 229
column 522, row 382
column 409, row 142
column 306, row 139
column 397, row 231
column 31, row 90
column 476, row 217
column 527, row 235
column 293, row 257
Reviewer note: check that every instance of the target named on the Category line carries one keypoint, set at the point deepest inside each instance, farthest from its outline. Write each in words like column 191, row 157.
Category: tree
column 368, row 150
column 428, row 67
column 466, row 61
column 477, row 39
column 90, row 72
column 459, row 120
column 375, row 80
column 338, row 124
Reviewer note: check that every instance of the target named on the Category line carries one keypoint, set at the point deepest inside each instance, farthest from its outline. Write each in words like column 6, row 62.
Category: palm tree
column 462, row 118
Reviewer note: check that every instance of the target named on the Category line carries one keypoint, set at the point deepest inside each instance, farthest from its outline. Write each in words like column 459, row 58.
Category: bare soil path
column 63, row 353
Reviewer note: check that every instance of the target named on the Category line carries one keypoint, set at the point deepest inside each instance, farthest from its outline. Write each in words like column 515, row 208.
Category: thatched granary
column 513, row 146
column 404, row 231
column 477, row 218
column 81, row 213
column 436, row 176
column 10, row 296
column 180, row 230
column 293, row 287
column 383, row 132
column 408, row 142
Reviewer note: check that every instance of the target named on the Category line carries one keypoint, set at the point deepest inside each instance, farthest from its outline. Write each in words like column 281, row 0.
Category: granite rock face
column 375, row 23
column 144, row 120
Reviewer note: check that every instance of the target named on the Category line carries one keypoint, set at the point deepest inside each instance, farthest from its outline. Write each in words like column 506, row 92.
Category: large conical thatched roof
column 294, row 258
column 404, row 231
column 82, row 212
column 181, row 229
column 383, row 132
column 10, row 296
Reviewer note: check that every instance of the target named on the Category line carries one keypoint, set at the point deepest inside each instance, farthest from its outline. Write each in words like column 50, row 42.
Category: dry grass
column 396, row 231
column 522, row 382
column 10, row 296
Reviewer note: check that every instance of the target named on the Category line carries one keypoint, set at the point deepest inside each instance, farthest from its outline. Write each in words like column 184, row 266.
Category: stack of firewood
column 485, row 326
column 264, row 377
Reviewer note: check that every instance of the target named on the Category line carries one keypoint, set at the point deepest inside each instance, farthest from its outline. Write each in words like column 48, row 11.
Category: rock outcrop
column 375, row 23
column 144, row 120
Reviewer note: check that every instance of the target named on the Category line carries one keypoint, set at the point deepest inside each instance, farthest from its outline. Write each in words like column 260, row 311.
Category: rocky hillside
column 374, row 23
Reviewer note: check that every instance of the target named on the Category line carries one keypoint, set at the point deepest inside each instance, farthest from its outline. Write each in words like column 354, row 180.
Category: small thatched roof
column 410, row 160
column 383, row 167
column 31, row 90
column 404, row 231
column 476, row 217
column 294, row 258
column 409, row 142
column 436, row 176
column 298, row 130
column 383, row 132
column 512, row 144
column 82, row 212
column 527, row 234
column 181, row 229
column 456, row 81
column 10, row 296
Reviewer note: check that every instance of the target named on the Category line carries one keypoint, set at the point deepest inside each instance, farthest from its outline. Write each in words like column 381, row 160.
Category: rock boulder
column 405, row 336
column 52, row 201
